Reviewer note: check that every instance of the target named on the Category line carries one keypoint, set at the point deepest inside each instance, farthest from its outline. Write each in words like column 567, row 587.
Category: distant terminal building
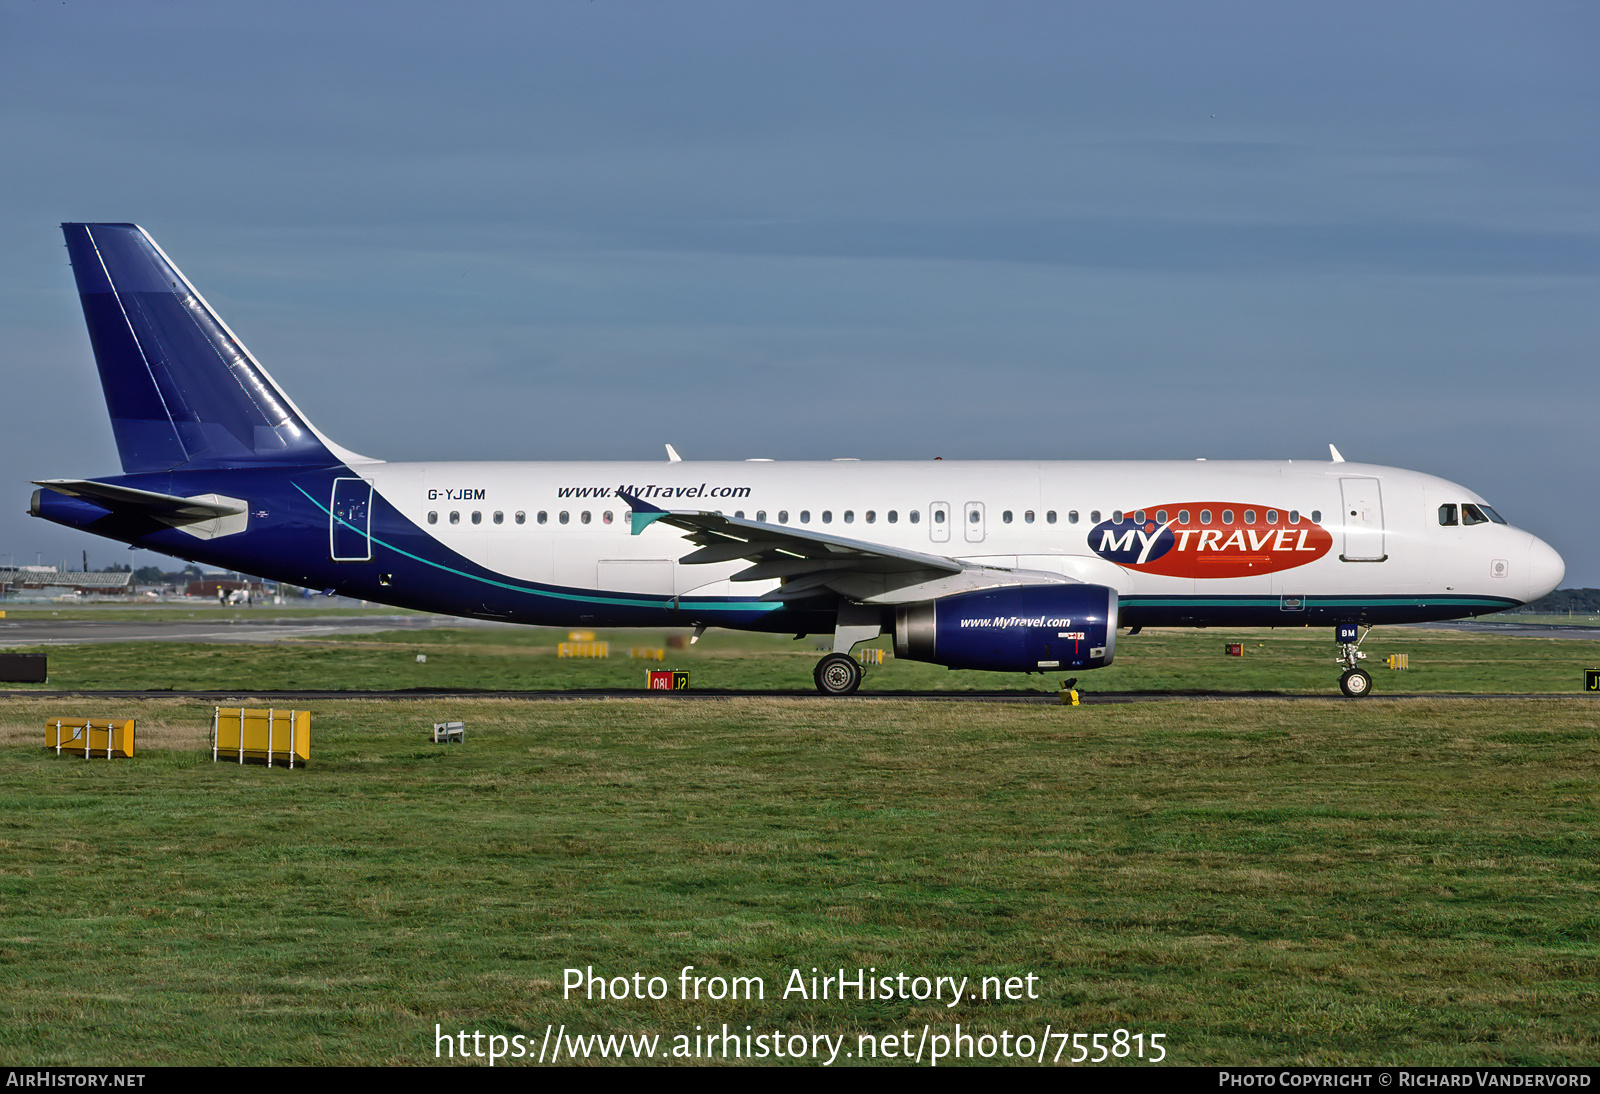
column 234, row 589
column 44, row 583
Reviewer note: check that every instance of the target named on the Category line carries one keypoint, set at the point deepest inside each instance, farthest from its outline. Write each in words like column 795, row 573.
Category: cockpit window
column 1496, row 517
column 1447, row 515
column 1471, row 514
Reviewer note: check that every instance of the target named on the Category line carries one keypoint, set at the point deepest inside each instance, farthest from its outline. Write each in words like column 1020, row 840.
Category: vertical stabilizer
column 182, row 391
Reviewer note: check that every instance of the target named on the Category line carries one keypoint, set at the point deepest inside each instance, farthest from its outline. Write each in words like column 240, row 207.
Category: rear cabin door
column 350, row 521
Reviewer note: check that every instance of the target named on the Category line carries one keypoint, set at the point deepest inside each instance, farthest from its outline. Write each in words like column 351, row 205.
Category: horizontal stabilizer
column 206, row 516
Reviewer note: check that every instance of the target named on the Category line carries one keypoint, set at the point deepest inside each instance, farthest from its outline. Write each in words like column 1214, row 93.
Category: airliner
column 1010, row 566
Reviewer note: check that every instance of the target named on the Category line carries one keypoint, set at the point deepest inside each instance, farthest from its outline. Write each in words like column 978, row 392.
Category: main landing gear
column 1356, row 681
column 838, row 674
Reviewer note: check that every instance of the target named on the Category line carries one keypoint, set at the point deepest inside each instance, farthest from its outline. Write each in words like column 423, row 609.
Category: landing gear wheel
column 837, row 674
column 1356, row 683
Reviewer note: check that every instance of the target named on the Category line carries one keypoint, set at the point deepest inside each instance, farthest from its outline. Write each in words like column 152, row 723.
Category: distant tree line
column 1576, row 601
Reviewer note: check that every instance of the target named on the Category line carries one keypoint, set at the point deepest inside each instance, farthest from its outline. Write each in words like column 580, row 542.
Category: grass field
column 1260, row 882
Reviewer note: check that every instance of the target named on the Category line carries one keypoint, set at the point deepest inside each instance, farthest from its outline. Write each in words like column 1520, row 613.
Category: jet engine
column 1029, row 628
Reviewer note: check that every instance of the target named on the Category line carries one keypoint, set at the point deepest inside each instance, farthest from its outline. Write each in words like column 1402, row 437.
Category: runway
column 37, row 631
column 1043, row 698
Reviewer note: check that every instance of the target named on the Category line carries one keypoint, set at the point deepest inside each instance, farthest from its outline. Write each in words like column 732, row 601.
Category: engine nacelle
column 1029, row 628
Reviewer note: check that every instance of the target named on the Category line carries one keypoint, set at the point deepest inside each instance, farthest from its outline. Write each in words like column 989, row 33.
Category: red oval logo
column 1201, row 539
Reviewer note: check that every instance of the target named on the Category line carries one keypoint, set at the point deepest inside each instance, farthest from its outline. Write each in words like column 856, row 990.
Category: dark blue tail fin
column 181, row 389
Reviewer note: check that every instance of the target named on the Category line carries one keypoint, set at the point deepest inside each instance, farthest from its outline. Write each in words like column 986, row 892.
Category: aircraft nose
column 1545, row 568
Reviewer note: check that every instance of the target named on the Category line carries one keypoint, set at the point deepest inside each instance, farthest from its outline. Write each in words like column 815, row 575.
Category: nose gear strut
column 1356, row 681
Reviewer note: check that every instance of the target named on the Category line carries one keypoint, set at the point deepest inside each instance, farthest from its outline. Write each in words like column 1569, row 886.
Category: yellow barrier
column 262, row 735
column 583, row 649
column 1400, row 661
column 86, row 738
column 648, row 653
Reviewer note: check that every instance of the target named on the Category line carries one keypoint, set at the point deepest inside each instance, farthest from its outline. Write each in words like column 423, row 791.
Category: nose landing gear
column 1356, row 681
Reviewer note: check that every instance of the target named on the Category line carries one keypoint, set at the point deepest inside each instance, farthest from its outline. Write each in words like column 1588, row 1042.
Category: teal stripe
column 1319, row 601
column 720, row 605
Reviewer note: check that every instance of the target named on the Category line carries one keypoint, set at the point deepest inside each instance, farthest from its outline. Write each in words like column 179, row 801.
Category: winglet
column 672, row 455
column 642, row 514
column 1334, row 453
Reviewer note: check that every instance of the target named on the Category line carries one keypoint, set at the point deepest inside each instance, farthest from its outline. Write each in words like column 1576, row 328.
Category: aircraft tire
column 1356, row 683
column 837, row 674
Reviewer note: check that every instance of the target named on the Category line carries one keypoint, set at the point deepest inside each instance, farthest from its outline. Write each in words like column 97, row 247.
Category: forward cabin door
column 1363, row 520
column 350, row 521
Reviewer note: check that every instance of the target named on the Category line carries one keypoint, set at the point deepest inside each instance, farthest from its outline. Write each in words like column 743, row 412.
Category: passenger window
column 564, row 517
column 805, row 516
column 938, row 516
column 827, row 516
column 1294, row 516
column 433, row 517
column 1316, row 516
column 1094, row 516
column 522, row 517
column 455, row 517
column 738, row 514
column 761, row 516
column 894, row 516
column 1050, row 517
column 1249, row 516
column 477, row 517
column 499, row 517
column 1005, row 517
column 585, row 517
column 543, row 517
column 1205, row 516
column 1227, row 516
column 1116, row 516
column 1027, row 518
column 974, row 517
column 849, row 516
column 915, row 516
column 1272, row 516
column 783, row 516
column 606, row 516
column 1138, row 517
column 1161, row 516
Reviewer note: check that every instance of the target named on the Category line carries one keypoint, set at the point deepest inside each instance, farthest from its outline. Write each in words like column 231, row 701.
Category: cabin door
column 1363, row 520
column 350, row 521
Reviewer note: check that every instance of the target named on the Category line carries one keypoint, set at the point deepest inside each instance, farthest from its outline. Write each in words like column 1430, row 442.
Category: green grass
column 1263, row 882
column 1290, row 662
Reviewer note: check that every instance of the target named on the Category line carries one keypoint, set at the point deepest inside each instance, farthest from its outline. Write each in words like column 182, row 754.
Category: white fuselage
column 562, row 523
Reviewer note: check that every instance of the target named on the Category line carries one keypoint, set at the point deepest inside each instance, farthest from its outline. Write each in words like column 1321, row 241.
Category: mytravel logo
column 1209, row 539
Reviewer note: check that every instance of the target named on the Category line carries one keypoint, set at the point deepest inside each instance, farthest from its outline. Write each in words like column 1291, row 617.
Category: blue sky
column 582, row 229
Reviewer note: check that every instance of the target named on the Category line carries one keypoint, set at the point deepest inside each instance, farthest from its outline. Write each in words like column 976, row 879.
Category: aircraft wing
column 812, row 563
